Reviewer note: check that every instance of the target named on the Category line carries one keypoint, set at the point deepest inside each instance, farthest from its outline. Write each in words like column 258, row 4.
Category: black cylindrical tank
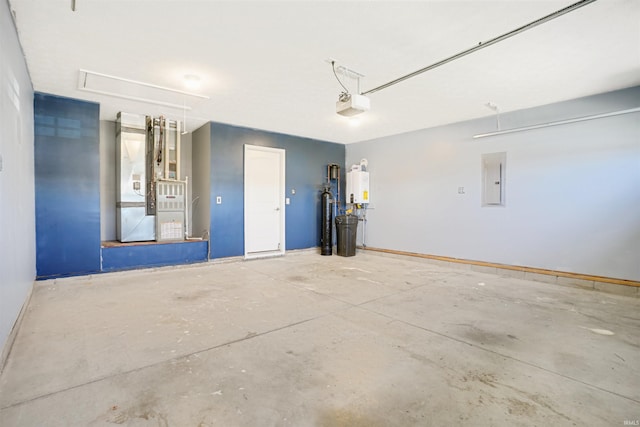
column 326, row 241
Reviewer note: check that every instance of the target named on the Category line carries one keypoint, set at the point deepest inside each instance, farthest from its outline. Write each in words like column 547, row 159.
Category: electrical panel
column 357, row 187
column 493, row 177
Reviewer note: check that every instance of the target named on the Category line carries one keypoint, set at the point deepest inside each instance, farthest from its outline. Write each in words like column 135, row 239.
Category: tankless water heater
column 357, row 187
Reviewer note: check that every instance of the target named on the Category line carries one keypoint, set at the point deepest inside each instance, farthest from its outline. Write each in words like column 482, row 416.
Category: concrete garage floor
column 306, row 340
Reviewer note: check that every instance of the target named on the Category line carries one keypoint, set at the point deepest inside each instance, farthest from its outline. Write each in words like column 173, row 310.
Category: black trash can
column 347, row 226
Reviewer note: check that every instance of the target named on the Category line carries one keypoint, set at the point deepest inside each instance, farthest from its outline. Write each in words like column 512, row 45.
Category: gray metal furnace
column 151, row 199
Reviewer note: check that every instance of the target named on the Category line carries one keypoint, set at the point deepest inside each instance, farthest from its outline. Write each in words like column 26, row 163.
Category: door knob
column 277, row 209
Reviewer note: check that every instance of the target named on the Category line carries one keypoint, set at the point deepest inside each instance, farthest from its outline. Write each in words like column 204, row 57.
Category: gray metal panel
column 129, row 120
column 131, row 173
column 170, row 226
column 170, row 212
column 142, row 162
column 171, row 196
column 134, row 225
column 132, row 222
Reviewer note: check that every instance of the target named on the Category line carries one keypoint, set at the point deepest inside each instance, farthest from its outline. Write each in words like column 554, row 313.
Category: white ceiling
column 263, row 63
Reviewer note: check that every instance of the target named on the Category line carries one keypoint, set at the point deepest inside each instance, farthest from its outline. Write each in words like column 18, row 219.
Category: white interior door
column 263, row 201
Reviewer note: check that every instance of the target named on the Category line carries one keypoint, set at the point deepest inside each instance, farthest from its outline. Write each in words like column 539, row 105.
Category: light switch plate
column 218, row 200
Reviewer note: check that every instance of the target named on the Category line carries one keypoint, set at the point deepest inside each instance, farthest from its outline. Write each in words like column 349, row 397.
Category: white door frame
column 281, row 204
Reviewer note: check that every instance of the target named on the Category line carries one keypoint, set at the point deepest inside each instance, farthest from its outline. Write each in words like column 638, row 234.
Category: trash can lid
column 347, row 219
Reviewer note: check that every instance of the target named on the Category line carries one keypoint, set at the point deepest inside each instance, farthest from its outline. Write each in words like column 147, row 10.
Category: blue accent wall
column 67, row 186
column 306, row 168
column 129, row 257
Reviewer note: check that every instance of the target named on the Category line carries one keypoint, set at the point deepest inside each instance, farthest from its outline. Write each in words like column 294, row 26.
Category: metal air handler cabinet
column 132, row 222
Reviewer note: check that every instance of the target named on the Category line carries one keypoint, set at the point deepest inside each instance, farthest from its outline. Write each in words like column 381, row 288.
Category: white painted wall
column 108, row 176
column 572, row 191
column 17, row 196
column 107, row 180
column 187, row 171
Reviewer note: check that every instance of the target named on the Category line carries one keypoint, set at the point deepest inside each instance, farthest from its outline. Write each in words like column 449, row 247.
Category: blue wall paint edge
column 131, row 257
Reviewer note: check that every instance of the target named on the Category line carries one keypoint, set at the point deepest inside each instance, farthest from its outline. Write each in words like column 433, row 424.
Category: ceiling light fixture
column 191, row 81
column 355, row 121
